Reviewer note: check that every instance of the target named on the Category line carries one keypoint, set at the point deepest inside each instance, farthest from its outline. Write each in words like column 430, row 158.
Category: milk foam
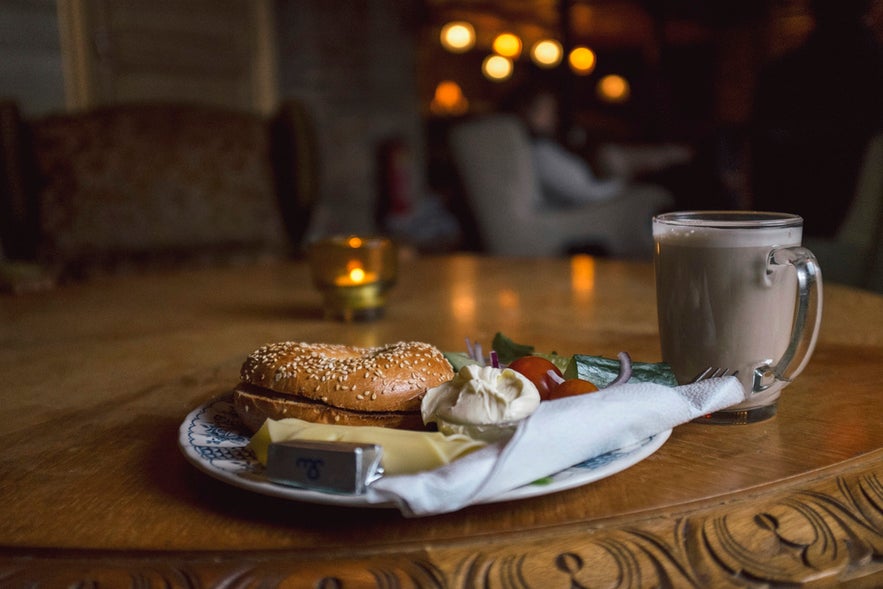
column 726, row 237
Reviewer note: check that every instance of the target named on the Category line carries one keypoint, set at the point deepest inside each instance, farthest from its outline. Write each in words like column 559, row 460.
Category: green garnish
column 510, row 351
column 602, row 371
column 597, row 369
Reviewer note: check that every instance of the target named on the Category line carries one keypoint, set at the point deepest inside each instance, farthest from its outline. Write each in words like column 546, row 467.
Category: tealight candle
column 353, row 274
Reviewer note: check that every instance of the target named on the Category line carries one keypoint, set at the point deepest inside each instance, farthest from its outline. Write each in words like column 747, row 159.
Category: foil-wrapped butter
column 341, row 467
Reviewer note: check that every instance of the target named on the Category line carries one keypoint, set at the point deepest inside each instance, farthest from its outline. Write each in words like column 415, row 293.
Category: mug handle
column 807, row 317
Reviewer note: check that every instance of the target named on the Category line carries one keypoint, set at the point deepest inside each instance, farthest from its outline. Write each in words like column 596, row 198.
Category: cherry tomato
column 536, row 369
column 572, row 387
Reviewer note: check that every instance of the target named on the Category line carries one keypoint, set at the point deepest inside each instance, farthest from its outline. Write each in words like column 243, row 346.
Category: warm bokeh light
column 507, row 45
column 497, row 68
column 613, row 89
column 508, row 299
column 463, row 308
column 582, row 60
column 582, row 278
column 357, row 275
column 458, row 37
column 449, row 99
column 463, row 300
column 354, row 241
column 547, row 53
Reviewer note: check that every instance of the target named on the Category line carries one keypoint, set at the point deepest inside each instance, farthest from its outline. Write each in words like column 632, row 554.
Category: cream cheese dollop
column 482, row 402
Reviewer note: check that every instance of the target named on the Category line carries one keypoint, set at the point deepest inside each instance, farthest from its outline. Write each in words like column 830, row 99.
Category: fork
column 714, row 372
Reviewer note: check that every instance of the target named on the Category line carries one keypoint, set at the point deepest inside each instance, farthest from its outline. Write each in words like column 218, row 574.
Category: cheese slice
column 404, row 451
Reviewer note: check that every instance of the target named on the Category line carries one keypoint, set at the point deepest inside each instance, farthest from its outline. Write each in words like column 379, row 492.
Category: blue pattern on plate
column 242, row 456
column 216, row 434
column 605, row 459
column 218, row 442
column 217, row 425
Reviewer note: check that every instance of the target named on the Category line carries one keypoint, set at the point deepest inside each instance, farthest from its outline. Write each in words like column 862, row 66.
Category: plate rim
column 252, row 481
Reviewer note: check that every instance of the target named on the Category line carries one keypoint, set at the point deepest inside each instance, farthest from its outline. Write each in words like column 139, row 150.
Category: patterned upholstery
column 167, row 183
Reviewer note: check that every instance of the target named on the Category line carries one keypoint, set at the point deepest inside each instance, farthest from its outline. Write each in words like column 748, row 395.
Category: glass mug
column 735, row 290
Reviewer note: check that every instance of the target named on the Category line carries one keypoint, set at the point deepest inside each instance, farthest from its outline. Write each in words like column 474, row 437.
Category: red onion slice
column 555, row 377
column 625, row 370
column 474, row 351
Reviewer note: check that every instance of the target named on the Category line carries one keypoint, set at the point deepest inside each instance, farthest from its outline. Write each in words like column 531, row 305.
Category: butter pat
column 404, row 452
column 336, row 467
column 481, row 402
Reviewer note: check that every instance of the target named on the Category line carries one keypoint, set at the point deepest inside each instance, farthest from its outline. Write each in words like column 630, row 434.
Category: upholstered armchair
column 493, row 161
column 148, row 184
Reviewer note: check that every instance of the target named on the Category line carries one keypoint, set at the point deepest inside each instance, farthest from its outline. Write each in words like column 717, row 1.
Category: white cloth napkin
column 557, row 436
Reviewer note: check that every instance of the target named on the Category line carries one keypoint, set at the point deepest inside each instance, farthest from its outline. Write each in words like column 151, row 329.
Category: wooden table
column 94, row 491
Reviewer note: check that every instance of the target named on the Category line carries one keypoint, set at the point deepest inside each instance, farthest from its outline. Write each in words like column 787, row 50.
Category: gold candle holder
column 353, row 274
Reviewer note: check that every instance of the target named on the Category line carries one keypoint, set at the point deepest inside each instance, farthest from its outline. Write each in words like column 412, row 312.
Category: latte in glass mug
column 735, row 290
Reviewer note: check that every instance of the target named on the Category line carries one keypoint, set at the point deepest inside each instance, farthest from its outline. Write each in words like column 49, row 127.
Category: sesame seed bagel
column 333, row 383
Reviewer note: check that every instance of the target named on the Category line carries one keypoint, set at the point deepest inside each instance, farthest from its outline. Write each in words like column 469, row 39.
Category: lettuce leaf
column 597, row 369
column 458, row 360
column 509, row 351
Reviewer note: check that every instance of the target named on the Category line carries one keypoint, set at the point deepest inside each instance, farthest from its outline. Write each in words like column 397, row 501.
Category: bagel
column 334, row 383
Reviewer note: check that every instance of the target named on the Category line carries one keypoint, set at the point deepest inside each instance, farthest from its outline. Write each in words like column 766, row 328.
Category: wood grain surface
column 94, row 491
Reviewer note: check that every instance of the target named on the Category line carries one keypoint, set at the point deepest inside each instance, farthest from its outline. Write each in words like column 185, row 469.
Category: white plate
column 214, row 440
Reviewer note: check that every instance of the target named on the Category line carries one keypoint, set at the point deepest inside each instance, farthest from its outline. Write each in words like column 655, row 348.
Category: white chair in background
column 493, row 159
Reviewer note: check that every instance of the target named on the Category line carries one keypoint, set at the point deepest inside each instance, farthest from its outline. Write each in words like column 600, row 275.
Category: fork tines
column 713, row 372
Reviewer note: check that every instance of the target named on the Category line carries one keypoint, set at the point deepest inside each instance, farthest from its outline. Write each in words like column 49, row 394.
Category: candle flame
column 357, row 275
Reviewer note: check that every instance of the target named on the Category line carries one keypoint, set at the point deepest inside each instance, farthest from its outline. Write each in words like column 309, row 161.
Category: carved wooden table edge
column 824, row 529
